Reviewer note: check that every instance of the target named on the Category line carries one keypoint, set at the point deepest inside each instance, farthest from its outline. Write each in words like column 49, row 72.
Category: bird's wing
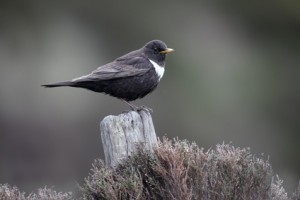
column 135, row 66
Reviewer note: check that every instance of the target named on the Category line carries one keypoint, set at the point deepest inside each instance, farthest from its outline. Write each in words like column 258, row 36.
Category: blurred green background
column 234, row 77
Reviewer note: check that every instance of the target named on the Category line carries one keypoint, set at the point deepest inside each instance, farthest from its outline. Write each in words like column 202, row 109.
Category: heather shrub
column 296, row 194
column 13, row 193
column 182, row 170
column 176, row 170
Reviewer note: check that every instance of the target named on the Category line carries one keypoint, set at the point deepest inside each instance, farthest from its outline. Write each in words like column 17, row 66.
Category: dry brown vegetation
column 182, row 170
column 177, row 170
column 13, row 193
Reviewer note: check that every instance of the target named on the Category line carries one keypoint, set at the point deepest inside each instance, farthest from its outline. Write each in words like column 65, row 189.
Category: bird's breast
column 160, row 70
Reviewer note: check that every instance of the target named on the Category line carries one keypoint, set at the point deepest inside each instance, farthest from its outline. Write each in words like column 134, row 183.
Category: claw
column 146, row 109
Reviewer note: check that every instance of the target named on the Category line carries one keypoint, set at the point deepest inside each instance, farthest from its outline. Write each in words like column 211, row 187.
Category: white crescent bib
column 158, row 69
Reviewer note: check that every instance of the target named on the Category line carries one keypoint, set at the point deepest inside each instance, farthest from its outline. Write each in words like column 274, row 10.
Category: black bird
column 129, row 77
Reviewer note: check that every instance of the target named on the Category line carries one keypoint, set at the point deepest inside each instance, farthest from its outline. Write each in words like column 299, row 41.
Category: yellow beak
column 168, row 50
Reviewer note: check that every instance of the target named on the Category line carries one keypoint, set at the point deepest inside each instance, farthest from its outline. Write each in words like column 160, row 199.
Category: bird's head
column 156, row 50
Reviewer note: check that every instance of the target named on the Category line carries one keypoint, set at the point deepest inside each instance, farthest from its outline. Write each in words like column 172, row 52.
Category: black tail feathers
column 59, row 84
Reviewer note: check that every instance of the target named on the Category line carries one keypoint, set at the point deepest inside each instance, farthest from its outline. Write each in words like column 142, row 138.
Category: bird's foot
column 140, row 108
column 145, row 109
column 136, row 108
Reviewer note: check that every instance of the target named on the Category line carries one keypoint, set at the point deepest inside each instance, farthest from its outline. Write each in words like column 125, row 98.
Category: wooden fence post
column 121, row 134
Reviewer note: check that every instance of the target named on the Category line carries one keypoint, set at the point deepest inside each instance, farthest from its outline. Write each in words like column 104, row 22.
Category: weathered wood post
column 121, row 134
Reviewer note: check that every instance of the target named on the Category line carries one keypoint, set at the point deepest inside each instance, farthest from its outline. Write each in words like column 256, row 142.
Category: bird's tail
column 59, row 84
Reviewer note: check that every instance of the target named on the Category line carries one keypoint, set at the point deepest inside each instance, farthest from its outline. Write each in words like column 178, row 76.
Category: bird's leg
column 145, row 108
column 135, row 108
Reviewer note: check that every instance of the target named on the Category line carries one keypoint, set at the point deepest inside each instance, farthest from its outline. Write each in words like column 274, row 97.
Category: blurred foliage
column 13, row 193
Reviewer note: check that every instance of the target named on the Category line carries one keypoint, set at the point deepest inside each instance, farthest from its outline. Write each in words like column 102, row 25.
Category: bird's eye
column 156, row 50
